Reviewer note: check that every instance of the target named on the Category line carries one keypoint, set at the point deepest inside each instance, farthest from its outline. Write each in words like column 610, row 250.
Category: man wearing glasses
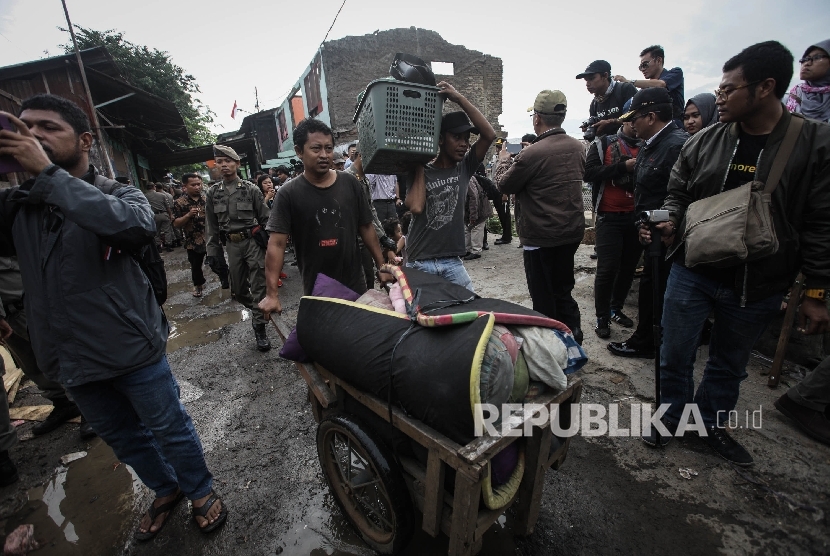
column 651, row 118
column 655, row 75
column 744, row 297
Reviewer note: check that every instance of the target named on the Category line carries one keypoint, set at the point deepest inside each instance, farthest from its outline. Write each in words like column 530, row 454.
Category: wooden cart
column 370, row 482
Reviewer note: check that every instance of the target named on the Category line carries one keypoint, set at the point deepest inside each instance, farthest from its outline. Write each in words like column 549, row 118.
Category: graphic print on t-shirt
column 329, row 231
column 441, row 201
column 744, row 164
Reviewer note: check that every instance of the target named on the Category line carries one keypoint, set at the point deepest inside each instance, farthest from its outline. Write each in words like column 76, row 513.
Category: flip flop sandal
column 154, row 512
column 203, row 510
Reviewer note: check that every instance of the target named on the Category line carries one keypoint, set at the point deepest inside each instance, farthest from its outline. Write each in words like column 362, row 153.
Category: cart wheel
column 366, row 483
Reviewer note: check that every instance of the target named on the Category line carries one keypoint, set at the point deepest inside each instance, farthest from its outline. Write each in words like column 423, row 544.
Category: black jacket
column 653, row 168
column 800, row 203
column 597, row 172
column 90, row 310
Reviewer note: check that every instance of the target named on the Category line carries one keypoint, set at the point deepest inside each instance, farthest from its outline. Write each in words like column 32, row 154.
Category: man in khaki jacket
column 546, row 178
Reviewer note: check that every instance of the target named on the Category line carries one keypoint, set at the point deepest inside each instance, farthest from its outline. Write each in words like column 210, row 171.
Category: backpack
column 147, row 256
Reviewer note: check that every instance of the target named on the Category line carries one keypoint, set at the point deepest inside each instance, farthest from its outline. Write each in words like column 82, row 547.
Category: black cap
column 597, row 66
column 457, row 122
column 647, row 99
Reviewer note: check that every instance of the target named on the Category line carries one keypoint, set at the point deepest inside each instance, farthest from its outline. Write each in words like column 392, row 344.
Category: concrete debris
column 687, row 473
column 69, row 458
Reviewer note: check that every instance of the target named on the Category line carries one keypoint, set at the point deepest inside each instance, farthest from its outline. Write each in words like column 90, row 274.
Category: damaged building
column 340, row 70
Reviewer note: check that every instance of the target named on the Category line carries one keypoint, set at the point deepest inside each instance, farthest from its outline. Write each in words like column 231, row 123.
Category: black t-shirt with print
column 743, row 166
column 323, row 224
column 612, row 104
column 741, row 170
column 438, row 231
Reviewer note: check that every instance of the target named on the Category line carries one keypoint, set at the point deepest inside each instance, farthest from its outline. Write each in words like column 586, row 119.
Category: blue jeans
column 449, row 268
column 140, row 417
column 689, row 299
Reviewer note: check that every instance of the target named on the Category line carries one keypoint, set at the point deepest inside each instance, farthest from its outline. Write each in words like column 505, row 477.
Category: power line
column 332, row 23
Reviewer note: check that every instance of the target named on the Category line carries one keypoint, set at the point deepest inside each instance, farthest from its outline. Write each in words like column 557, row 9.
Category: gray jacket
column 91, row 311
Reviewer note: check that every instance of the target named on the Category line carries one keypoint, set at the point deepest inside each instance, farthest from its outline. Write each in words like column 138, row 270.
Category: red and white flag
column 233, row 110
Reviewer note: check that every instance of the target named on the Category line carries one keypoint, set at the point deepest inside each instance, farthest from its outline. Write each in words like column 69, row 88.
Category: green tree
column 153, row 71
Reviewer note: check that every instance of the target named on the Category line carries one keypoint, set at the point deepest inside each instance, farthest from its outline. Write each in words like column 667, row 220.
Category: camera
column 651, row 217
column 589, row 132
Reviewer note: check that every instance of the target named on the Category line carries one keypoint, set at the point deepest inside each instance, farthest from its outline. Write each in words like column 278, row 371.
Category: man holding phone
column 93, row 319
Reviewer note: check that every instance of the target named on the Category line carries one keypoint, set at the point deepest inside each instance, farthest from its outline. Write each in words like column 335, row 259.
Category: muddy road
column 613, row 495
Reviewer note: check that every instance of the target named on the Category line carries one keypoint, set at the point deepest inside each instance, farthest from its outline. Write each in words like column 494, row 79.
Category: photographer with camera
column 780, row 163
column 609, row 98
column 651, row 119
column 610, row 169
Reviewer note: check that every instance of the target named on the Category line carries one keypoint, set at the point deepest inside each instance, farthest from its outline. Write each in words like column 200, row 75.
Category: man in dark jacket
column 93, row 319
column 744, row 297
column 546, row 178
column 651, row 118
column 610, row 169
column 609, row 97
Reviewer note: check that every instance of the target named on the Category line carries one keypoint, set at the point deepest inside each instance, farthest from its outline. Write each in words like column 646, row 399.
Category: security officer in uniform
column 162, row 205
column 234, row 211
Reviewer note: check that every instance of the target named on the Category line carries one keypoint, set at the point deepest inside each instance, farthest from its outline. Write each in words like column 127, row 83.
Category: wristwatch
column 821, row 295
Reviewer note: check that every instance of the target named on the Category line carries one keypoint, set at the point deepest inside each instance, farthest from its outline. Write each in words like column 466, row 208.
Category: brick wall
column 351, row 63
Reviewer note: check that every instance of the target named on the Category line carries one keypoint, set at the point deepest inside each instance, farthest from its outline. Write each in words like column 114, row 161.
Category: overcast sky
column 233, row 46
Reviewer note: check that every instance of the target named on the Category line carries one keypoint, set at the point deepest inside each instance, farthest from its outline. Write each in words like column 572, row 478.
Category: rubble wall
column 351, row 63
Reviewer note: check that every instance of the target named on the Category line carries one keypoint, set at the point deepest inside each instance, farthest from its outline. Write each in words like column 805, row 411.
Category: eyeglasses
column 726, row 92
column 634, row 119
column 815, row 58
column 644, row 64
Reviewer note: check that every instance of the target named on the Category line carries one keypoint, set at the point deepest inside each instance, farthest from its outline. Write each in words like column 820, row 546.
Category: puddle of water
column 321, row 529
column 216, row 297
column 201, row 330
column 178, row 287
column 85, row 508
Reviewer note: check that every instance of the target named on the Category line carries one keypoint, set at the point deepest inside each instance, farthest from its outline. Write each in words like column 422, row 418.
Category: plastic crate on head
column 398, row 125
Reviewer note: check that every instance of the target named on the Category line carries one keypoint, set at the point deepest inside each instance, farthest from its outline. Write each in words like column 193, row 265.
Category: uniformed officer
column 234, row 211
column 162, row 205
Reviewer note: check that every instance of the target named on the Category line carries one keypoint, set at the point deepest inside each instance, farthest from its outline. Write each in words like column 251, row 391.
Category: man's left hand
column 812, row 316
column 24, row 147
column 385, row 277
column 448, row 91
column 620, row 78
column 602, row 124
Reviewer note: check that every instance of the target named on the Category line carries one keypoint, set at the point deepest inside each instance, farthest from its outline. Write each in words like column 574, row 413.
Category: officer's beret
column 222, row 150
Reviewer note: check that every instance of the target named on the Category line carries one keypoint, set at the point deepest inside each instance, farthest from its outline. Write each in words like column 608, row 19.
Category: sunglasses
column 811, row 59
column 644, row 64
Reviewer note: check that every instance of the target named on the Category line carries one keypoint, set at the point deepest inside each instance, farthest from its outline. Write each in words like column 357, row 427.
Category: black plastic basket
column 398, row 125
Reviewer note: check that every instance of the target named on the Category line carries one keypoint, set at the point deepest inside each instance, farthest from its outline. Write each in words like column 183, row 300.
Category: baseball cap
column 597, row 66
column 457, row 122
column 550, row 102
column 646, row 98
column 222, row 150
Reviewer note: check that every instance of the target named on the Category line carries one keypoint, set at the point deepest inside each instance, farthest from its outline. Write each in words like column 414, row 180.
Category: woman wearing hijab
column 700, row 112
column 812, row 97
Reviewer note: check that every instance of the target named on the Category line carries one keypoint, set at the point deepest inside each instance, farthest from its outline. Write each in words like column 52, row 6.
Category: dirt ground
column 611, row 496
